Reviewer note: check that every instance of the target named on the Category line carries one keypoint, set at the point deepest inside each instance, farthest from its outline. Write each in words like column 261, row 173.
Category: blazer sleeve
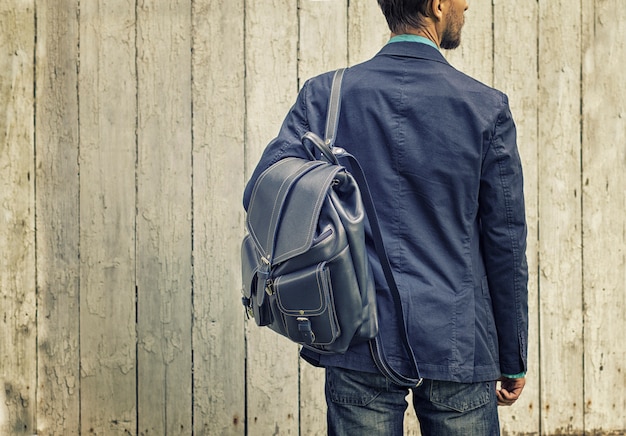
column 503, row 237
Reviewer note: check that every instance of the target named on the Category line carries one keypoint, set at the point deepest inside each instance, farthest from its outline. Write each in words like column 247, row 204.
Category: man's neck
column 411, row 37
column 427, row 32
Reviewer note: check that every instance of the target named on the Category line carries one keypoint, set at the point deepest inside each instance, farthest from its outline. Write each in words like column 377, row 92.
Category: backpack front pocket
column 304, row 301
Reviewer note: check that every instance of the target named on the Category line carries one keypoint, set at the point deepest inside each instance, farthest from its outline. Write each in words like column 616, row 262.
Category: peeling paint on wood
column 18, row 324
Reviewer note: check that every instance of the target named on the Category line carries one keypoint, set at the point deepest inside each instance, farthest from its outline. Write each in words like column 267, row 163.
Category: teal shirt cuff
column 520, row 375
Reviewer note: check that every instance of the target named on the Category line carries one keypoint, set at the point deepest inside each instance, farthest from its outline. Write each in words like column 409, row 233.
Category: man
column 439, row 151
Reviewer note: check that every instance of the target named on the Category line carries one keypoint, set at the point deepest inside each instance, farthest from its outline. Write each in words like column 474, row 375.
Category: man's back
column 433, row 144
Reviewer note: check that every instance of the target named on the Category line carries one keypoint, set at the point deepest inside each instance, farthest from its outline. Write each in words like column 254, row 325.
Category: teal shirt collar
column 412, row 38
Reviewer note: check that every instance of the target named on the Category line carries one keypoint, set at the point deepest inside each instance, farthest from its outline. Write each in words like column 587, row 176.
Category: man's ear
column 436, row 9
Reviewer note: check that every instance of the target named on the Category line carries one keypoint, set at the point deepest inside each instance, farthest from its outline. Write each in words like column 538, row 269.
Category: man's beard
column 451, row 36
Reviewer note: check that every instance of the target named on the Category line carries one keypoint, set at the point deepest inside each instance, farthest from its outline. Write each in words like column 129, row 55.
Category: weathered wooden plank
column 323, row 47
column 559, row 211
column 57, row 223
column 164, row 212
column 218, row 169
column 107, row 124
column 367, row 30
column 515, row 73
column 323, row 37
column 604, row 201
column 18, row 333
column 271, row 84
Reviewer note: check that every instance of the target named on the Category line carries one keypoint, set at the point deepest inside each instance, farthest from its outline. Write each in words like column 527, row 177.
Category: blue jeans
column 363, row 403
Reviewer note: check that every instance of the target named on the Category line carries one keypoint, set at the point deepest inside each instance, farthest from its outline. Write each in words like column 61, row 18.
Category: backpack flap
column 294, row 190
column 301, row 214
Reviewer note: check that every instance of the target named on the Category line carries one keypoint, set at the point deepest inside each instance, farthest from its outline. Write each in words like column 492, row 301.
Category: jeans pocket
column 354, row 388
column 461, row 397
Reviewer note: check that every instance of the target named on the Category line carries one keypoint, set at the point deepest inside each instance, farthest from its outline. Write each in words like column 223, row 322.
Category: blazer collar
column 413, row 50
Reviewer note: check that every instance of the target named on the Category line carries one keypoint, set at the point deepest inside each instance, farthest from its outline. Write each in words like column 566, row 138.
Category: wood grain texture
column 604, row 203
column 367, row 30
column 57, row 222
column 559, row 210
column 18, row 323
column 218, row 176
column 164, row 216
column 108, row 117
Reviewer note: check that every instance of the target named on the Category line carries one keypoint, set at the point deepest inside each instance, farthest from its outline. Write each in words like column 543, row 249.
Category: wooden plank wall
column 603, row 180
column 18, row 322
column 127, row 132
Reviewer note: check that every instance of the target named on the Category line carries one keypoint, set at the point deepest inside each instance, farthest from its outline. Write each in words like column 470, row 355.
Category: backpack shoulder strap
column 334, row 107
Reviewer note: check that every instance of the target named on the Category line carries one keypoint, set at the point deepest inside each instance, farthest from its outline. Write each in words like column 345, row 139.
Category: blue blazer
column 439, row 151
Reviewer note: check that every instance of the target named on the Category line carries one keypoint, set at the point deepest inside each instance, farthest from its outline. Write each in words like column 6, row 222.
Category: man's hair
column 402, row 15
